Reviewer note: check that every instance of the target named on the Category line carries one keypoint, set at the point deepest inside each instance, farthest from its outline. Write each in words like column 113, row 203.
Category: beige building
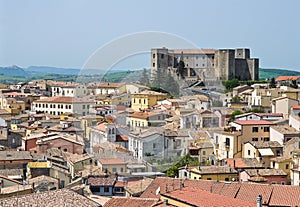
column 112, row 165
column 283, row 105
column 262, row 151
column 253, row 130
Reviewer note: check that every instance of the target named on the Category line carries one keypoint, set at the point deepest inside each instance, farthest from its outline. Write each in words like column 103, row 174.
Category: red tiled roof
column 285, row 196
column 249, row 191
column 200, row 197
column 62, row 99
column 296, row 107
column 112, row 161
column 253, row 122
column 121, row 138
column 269, row 114
column 130, row 202
column 274, row 195
column 285, row 78
column 244, row 162
column 141, row 115
column 100, row 181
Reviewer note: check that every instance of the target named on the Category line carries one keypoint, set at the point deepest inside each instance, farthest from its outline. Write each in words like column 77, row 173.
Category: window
column 227, row 142
column 254, row 139
column 282, row 183
column 249, row 152
column 121, row 169
column 106, row 189
column 154, row 145
column 266, row 129
column 287, row 166
column 153, row 56
column 114, row 169
column 278, row 153
column 153, row 64
column 254, row 129
column 226, row 179
column 266, row 139
column 204, row 153
column 162, row 56
column 208, row 178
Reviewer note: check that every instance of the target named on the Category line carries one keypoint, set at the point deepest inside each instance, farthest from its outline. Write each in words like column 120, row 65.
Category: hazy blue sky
column 65, row 33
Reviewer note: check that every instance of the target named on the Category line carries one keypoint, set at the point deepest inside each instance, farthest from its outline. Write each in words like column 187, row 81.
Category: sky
column 65, row 33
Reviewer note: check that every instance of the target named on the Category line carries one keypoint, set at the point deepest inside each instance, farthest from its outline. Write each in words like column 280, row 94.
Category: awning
column 266, row 152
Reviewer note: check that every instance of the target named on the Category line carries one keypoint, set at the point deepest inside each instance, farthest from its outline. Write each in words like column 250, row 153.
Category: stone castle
column 206, row 64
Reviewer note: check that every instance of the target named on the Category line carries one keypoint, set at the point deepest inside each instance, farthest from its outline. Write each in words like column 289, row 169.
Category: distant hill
column 39, row 70
column 265, row 73
column 13, row 71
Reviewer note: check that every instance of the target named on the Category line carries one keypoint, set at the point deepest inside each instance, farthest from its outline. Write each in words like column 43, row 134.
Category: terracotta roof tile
column 63, row 99
column 62, row 197
column 130, row 202
column 285, row 196
column 244, row 163
column 277, row 195
column 253, row 122
column 249, row 192
column 198, row 197
column 111, row 161
column 285, row 78
column 101, row 181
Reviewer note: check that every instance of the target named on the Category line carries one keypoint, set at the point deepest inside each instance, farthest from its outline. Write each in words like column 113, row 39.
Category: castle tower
column 159, row 61
column 225, row 64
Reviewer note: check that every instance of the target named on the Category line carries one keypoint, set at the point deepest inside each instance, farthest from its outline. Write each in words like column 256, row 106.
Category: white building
column 59, row 105
column 149, row 143
column 68, row 89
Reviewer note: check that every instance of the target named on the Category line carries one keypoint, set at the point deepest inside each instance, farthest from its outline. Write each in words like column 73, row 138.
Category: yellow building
column 219, row 173
column 282, row 163
column 146, row 99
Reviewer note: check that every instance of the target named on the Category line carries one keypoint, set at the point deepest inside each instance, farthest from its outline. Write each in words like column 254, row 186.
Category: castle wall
column 253, row 66
column 222, row 64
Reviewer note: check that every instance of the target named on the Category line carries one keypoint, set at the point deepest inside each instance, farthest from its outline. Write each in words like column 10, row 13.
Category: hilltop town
column 138, row 144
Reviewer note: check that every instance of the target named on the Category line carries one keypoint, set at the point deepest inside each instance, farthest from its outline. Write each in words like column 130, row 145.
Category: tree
column 230, row 84
column 236, row 99
column 144, row 80
column 235, row 113
column 272, row 83
column 184, row 161
column 181, row 69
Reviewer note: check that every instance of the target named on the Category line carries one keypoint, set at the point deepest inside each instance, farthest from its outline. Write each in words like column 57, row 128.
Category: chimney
column 259, row 201
column 181, row 185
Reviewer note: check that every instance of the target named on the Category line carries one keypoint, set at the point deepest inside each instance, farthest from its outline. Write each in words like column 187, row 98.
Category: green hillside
column 265, row 73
